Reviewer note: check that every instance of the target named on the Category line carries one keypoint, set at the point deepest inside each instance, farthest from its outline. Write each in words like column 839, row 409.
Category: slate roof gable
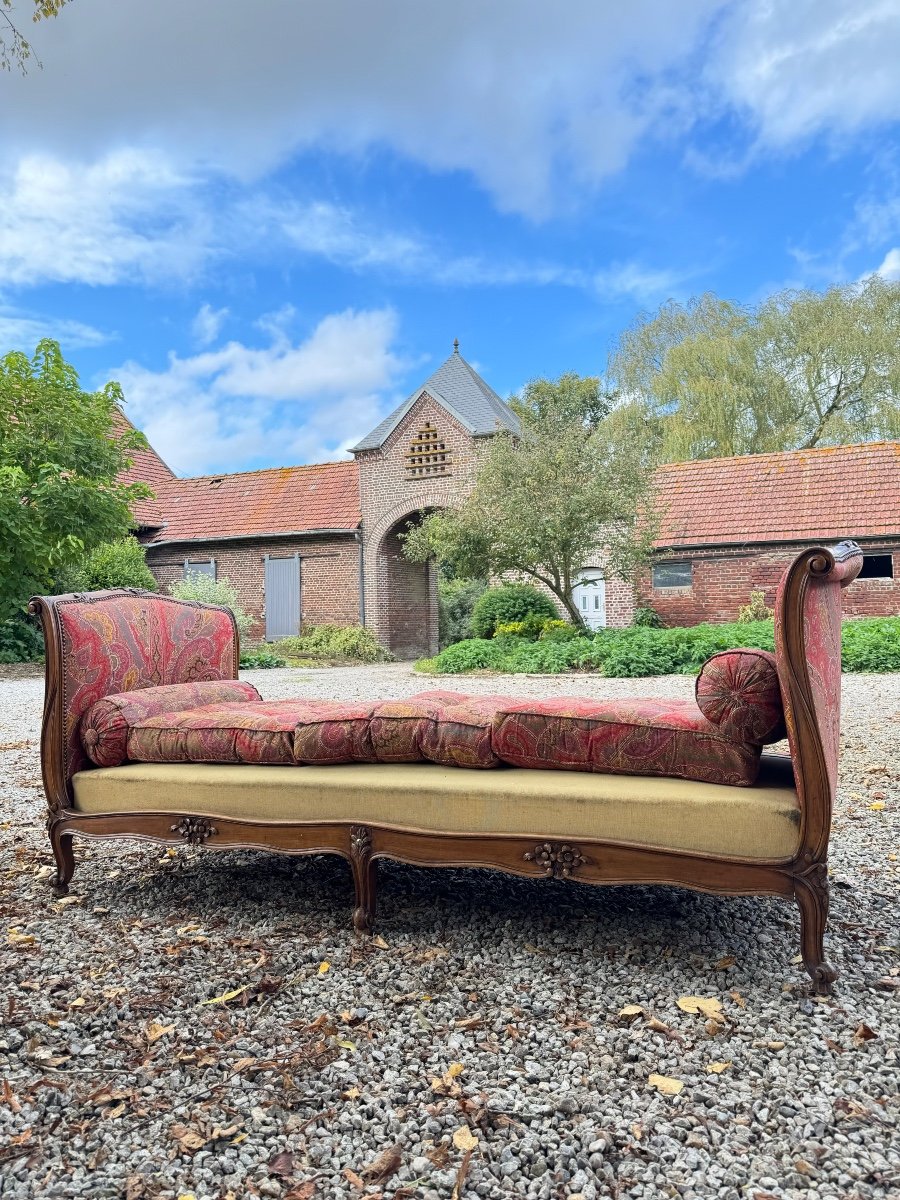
column 458, row 388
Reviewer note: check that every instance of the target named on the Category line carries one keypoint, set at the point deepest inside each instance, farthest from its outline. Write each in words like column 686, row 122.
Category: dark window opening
column 671, row 574
column 877, row 566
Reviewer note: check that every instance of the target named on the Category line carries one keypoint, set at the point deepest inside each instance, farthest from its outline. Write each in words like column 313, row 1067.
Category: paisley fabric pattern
column 280, row 731
column 738, row 691
column 105, row 725
column 333, row 732
column 622, row 737
column 398, row 726
column 120, row 642
column 258, row 732
column 462, row 737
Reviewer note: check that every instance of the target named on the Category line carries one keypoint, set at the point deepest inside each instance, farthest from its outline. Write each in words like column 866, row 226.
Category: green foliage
column 261, row 658
column 537, row 627
column 456, row 600
column 15, row 50
column 347, row 643
column 573, row 484
column 802, row 369
column 509, row 602
column 20, row 641
column 60, row 458
column 756, row 610
column 647, row 617
column 114, row 565
column 871, row 644
column 560, row 631
column 207, row 590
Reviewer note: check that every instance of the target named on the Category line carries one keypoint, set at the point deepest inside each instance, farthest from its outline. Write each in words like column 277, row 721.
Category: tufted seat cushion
column 280, row 731
column 105, row 726
column 622, row 737
column 399, row 726
column 463, row 734
column 738, row 690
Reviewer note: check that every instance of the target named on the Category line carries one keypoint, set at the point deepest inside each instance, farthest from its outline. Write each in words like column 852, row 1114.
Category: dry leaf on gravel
column 187, row 1139
column 709, row 1006
column 384, row 1166
column 724, row 963
column 716, row 1068
column 226, row 996
column 666, row 1085
column 631, row 1011
column 301, row 1191
column 863, row 1033
column 154, row 1031
column 464, row 1138
column 15, row 937
column 282, row 1163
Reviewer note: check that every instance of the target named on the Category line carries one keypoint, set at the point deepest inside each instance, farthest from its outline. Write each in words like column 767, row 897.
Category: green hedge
column 869, row 644
column 508, row 602
column 350, row 643
column 20, row 641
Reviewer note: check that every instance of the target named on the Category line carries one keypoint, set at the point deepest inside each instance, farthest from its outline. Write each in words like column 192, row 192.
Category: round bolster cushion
column 738, row 690
column 106, row 724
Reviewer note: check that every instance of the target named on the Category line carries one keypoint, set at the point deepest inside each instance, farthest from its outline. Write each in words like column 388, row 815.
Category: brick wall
column 401, row 597
column 329, row 573
column 723, row 579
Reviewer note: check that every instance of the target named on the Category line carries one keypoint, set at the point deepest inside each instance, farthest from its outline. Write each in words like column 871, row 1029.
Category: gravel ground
column 476, row 1047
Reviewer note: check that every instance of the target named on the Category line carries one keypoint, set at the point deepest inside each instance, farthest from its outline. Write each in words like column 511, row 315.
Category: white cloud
column 23, row 330
column 130, row 215
column 299, row 402
column 796, row 68
column 207, row 324
column 890, row 268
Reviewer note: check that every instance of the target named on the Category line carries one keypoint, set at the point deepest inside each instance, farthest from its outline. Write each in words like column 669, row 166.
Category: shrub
column 20, row 641
column 352, row 643
column 560, row 631
column 871, row 644
column 113, row 565
column 477, row 654
column 756, row 610
column 456, row 600
column 261, row 658
column 509, row 602
column 647, row 618
column 212, row 591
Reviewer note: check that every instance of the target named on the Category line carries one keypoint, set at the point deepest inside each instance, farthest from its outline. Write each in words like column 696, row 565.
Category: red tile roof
column 278, row 500
column 801, row 495
column 147, row 467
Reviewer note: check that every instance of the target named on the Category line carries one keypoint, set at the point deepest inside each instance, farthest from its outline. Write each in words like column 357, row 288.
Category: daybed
column 134, row 675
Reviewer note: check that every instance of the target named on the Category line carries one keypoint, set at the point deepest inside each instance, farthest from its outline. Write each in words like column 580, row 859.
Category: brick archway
column 407, row 603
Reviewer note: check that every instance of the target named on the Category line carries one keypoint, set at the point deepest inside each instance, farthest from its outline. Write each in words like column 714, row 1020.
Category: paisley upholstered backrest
column 101, row 643
column 808, row 654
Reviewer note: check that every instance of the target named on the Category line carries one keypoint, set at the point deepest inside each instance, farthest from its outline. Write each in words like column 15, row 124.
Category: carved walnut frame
column 805, row 878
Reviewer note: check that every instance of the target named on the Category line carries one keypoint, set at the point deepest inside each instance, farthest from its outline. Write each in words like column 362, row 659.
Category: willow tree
column 547, row 501
column 802, row 369
column 15, row 49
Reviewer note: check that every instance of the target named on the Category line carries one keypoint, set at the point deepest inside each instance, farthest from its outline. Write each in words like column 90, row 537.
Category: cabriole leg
column 364, row 870
column 65, row 859
column 811, row 891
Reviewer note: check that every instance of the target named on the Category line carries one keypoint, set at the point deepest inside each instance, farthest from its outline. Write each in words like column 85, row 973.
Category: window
column 672, row 574
column 428, row 455
column 877, row 566
column 205, row 566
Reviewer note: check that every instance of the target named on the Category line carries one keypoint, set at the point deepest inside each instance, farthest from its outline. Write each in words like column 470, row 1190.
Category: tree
column 14, row 49
column 713, row 378
column 117, row 564
column 545, row 502
column 60, row 458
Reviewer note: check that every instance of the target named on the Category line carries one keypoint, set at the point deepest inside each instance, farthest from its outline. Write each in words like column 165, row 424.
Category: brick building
column 321, row 543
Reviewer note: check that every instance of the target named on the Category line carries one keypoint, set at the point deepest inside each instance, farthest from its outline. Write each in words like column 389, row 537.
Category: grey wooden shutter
column 282, row 597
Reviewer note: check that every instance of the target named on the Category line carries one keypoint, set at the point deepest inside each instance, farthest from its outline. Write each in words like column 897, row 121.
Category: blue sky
column 269, row 222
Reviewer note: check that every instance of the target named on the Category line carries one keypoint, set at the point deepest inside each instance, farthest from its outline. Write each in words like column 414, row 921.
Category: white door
column 589, row 594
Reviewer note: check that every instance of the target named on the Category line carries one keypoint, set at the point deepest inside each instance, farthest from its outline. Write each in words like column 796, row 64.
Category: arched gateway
column 420, row 458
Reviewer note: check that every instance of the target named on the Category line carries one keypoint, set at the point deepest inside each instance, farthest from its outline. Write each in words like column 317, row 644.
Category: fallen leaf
column 351, row 1093
column 775, row 1045
column 455, row 1068
column 282, row 1163
column 345, row 1043
column 724, row 963
column 630, row 1011
column 738, row 999
column 714, row 1027
column 464, row 1139
column 461, row 1174
column 323, row 967
column 716, row 1068
column 384, row 1166
column 379, row 941
column 226, row 996
column 187, row 1139
column 657, row 1026
column 242, row 1064
column 470, row 1022
column 79, row 1003
column 439, row 1155
column 666, row 1085
column 301, row 1191
column 709, row 1006
column 863, row 1033
column 637, row 1132
column 15, row 937
column 155, row 1031
column 878, row 806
